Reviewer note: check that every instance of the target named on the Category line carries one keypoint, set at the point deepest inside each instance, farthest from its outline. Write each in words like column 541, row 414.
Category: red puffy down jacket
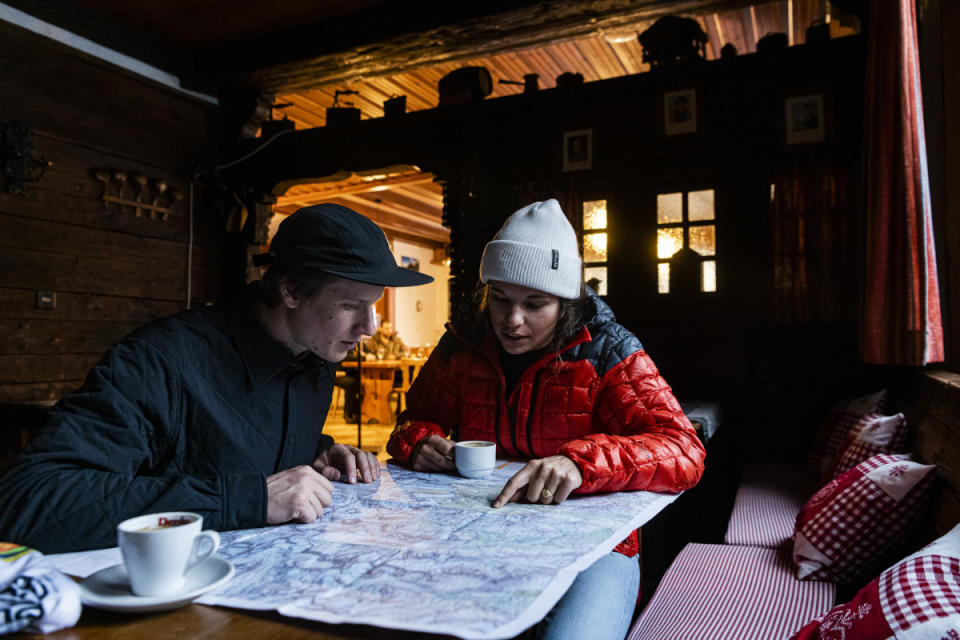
column 601, row 402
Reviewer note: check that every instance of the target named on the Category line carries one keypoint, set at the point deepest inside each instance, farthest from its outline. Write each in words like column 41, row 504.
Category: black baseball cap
column 339, row 241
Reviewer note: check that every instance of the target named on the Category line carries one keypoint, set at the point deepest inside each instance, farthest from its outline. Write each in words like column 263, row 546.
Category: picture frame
column 806, row 119
column 680, row 109
column 578, row 150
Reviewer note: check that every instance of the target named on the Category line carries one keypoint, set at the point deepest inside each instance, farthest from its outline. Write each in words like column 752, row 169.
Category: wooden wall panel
column 81, row 99
column 932, row 409
column 111, row 271
column 88, row 306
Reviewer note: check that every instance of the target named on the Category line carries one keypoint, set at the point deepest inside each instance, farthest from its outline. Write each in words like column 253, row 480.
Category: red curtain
column 902, row 323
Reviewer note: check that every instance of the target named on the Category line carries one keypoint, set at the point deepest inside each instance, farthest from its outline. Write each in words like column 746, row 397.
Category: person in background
column 217, row 410
column 385, row 344
column 540, row 367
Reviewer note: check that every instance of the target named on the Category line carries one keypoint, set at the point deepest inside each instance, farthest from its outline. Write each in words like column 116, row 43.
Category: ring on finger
column 546, row 494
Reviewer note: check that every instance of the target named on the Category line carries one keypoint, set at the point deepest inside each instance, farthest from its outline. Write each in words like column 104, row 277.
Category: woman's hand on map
column 348, row 464
column 433, row 453
column 544, row 480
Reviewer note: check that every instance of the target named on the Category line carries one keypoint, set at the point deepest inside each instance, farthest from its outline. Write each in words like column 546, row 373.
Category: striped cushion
column 715, row 592
column 768, row 500
column 916, row 599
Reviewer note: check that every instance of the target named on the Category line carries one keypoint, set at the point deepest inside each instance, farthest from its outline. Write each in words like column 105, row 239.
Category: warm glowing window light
column 669, row 241
column 594, row 215
column 686, row 219
column 595, row 247
column 594, row 219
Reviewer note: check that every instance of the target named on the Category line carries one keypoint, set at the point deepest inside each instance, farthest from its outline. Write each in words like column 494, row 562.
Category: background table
column 377, row 378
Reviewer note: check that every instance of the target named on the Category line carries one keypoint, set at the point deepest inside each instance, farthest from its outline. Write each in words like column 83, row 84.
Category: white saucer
column 110, row 588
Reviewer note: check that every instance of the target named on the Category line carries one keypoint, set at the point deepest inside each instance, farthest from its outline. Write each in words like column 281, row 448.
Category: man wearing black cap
column 217, row 410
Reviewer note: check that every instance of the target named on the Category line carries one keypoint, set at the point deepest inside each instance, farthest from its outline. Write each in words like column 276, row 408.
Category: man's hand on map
column 545, row 480
column 348, row 464
column 297, row 495
column 433, row 453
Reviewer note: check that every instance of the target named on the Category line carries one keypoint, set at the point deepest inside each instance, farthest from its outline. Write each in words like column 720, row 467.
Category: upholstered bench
column 788, row 544
column 766, row 505
column 716, row 592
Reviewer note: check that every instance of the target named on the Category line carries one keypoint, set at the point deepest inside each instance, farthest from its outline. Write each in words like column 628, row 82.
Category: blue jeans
column 599, row 604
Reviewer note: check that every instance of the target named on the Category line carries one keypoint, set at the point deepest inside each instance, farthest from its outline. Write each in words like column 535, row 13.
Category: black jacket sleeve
column 112, row 450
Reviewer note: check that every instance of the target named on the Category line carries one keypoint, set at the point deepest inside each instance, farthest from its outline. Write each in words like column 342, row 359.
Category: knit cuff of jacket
column 406, row 436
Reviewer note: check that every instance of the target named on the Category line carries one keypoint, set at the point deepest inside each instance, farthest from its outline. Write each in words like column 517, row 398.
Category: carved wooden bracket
column 18, row 167
column 137, row 193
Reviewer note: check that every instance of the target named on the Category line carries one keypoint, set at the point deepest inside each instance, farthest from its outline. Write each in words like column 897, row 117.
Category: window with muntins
column 594, row 218
column 686, row 220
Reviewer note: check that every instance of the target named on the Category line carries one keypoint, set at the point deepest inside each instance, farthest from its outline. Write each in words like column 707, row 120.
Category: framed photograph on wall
column 680, row 112
column 805, row 119
column 578, row 150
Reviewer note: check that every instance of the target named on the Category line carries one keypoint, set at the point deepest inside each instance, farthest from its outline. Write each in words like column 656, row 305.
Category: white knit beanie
column 536, row 247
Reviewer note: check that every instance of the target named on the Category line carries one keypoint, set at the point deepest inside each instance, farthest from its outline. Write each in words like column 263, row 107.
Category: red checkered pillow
column 872, row 434
column 858, row 517
column 833, row 433
column 916, row 599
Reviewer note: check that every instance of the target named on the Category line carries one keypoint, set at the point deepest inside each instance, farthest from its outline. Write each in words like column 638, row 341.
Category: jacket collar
column 263, row 357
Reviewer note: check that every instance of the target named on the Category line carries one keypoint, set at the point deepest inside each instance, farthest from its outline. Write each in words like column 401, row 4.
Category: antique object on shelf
column 18, row 166
column 395, row 106
column 772, row 42
column 531, row 82
column 568, row 80
column 337, row 115
column 466, row 84
column 145, row 197
column 818, row 31
column 673, row 40
column 271, row 128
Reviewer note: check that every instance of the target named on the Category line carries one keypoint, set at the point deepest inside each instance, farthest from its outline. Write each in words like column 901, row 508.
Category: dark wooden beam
column 381, row 41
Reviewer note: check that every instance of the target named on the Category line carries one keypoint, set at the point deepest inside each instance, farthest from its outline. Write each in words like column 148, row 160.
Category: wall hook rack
column 139, row 194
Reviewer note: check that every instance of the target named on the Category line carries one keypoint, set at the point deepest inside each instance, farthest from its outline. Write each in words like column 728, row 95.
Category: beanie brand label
column 556, row 259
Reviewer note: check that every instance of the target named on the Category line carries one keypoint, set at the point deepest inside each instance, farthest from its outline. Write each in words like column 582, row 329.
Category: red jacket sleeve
column 431, row 408
column 647, row 443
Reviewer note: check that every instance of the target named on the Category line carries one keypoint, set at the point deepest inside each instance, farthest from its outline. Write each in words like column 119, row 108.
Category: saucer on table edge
column 110, row 588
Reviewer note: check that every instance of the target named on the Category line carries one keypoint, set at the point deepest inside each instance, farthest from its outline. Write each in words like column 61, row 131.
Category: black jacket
column 191, row 413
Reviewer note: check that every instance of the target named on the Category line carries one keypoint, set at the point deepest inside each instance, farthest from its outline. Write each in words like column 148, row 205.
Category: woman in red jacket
column 541, row 368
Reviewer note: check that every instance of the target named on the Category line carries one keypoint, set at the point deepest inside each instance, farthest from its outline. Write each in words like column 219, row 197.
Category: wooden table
column 377, row 379
column 200, row 621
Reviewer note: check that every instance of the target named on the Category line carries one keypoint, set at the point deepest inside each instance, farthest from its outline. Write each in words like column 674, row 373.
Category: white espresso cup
column 475, row 458
column 160, row 548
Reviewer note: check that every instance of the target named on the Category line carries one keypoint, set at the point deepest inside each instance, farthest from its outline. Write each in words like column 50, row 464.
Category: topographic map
column 426, row 552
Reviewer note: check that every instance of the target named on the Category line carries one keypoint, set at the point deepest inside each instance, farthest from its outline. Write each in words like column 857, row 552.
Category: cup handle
column 199, row 556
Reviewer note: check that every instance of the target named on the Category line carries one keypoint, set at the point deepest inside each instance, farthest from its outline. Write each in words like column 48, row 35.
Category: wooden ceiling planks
column 736, row 30
column 404, row 202
column 630, row 55
column 770, row 18
column 594, row 57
